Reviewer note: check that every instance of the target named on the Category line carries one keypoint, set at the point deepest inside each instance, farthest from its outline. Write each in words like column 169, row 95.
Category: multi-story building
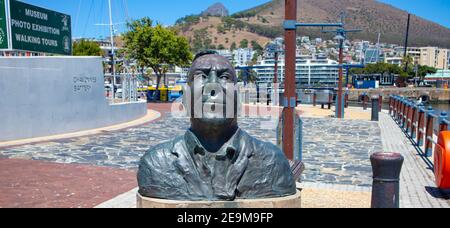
column 372, row 55
column 227, row 54
column 309, row 71
column 430, row 56
column 243, row 56
column 448, row 61
column 395, row 60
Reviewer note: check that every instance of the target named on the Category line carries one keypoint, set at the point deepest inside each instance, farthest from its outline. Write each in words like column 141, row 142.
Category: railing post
column 314, row 98
column 364, row 101
column 429, row 133
column 403, row 117
column 386, row 177
column 408, row 108
column 410, row 116
column 381, row 103
column 413, row 122
column 390, row 105
column 330, row 100
column 395, row 107
column 443, row 125
column 346, row 99
column 405, row 113
column 420, row 126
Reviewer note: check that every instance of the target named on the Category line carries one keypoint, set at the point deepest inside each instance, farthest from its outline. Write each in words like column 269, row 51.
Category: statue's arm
column 153, row 173
column 283, row 181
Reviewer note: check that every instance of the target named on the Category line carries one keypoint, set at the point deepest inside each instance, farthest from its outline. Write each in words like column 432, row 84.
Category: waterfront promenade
column 99, row 170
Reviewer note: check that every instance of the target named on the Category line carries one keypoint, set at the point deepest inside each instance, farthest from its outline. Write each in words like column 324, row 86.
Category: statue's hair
column 205, row 52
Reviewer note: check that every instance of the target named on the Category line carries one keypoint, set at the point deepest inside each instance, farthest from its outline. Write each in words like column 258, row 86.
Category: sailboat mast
column 111, row 25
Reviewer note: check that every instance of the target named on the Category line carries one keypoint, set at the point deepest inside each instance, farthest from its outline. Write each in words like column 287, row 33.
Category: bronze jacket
column 244, row 168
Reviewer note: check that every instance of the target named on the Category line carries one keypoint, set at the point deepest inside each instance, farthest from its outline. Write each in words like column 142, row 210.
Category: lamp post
column 340, row 103
column 341, row 36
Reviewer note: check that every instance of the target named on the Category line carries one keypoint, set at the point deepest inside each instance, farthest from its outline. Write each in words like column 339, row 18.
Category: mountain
column 218, row 10
column 263, row 23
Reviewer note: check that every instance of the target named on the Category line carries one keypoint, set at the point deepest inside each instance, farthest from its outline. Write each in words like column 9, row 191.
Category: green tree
column 256, row 46
column 422, row 71
column 155, row 47
column 249, row 76
column 244, row 43
column 86, row 48
column 221, row 29
column 221, row 47
column 408, row 64
column 233, row 46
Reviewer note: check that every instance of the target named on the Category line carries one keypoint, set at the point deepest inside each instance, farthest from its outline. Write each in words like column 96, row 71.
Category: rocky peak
column 217, row 9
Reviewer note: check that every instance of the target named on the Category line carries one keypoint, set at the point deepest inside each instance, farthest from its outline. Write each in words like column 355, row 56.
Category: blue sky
column 86, row 13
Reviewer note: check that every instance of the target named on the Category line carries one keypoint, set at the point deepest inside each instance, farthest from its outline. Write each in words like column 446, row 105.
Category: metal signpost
column 4, row 31
column 35, row 29
column 290, row 26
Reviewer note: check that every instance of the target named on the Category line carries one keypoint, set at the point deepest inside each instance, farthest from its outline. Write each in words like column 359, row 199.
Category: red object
column 442, row 161
column 289, row 81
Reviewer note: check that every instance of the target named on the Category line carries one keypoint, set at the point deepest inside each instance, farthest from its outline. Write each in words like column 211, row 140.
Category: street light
column 341, row 36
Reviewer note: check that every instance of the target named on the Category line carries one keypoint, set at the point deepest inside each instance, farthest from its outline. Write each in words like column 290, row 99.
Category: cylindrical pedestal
column 386, row 177
column 293, row 201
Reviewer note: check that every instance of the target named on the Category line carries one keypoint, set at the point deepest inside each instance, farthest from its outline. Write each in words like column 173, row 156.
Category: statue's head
column 212, row 90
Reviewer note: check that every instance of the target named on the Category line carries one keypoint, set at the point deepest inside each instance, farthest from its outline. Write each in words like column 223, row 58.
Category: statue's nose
column 212, row 77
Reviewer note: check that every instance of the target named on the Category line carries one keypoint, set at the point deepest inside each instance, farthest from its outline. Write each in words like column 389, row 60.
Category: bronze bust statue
column 215, row 160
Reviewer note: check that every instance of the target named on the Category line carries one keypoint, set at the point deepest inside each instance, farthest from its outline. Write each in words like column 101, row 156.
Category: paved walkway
column 417, row 187
column 336, row 154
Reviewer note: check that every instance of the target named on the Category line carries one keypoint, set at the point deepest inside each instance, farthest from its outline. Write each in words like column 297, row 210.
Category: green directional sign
column 3, row 26
column 39, row 30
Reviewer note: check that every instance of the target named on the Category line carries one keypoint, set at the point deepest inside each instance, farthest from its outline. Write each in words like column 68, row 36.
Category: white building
column 243, row 56
column 309, row 71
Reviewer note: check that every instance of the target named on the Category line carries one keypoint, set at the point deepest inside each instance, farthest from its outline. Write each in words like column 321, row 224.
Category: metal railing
column 418, row 122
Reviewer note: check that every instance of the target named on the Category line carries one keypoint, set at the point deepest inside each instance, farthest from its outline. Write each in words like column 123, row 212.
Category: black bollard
column 375, row 107
column 386, row 177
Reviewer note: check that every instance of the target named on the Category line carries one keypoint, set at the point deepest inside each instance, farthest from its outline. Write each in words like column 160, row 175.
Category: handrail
column 418, row 122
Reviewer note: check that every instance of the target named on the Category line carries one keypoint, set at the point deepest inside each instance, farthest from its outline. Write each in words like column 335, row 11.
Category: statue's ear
column 239, row 101
column 186, row 99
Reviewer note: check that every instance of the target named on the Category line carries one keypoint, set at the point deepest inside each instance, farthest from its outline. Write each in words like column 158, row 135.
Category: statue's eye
column 200, row 74
column 225, row 76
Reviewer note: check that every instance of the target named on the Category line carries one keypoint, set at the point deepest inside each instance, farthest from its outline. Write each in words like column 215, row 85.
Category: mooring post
column 375, row 107
column 386, row 169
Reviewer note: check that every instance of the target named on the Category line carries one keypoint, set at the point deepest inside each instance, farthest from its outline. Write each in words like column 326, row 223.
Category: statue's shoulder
column 162, row 154
column 262, row 148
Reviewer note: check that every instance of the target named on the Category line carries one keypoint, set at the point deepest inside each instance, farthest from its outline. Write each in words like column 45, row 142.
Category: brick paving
column 37, row 184
column 417, row 187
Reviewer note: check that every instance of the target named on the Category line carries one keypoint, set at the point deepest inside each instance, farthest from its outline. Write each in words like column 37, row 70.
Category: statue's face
column 212, row 82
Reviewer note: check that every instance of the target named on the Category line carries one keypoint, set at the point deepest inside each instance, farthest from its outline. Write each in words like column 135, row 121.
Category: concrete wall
column 41, row 96
column 436, row 95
